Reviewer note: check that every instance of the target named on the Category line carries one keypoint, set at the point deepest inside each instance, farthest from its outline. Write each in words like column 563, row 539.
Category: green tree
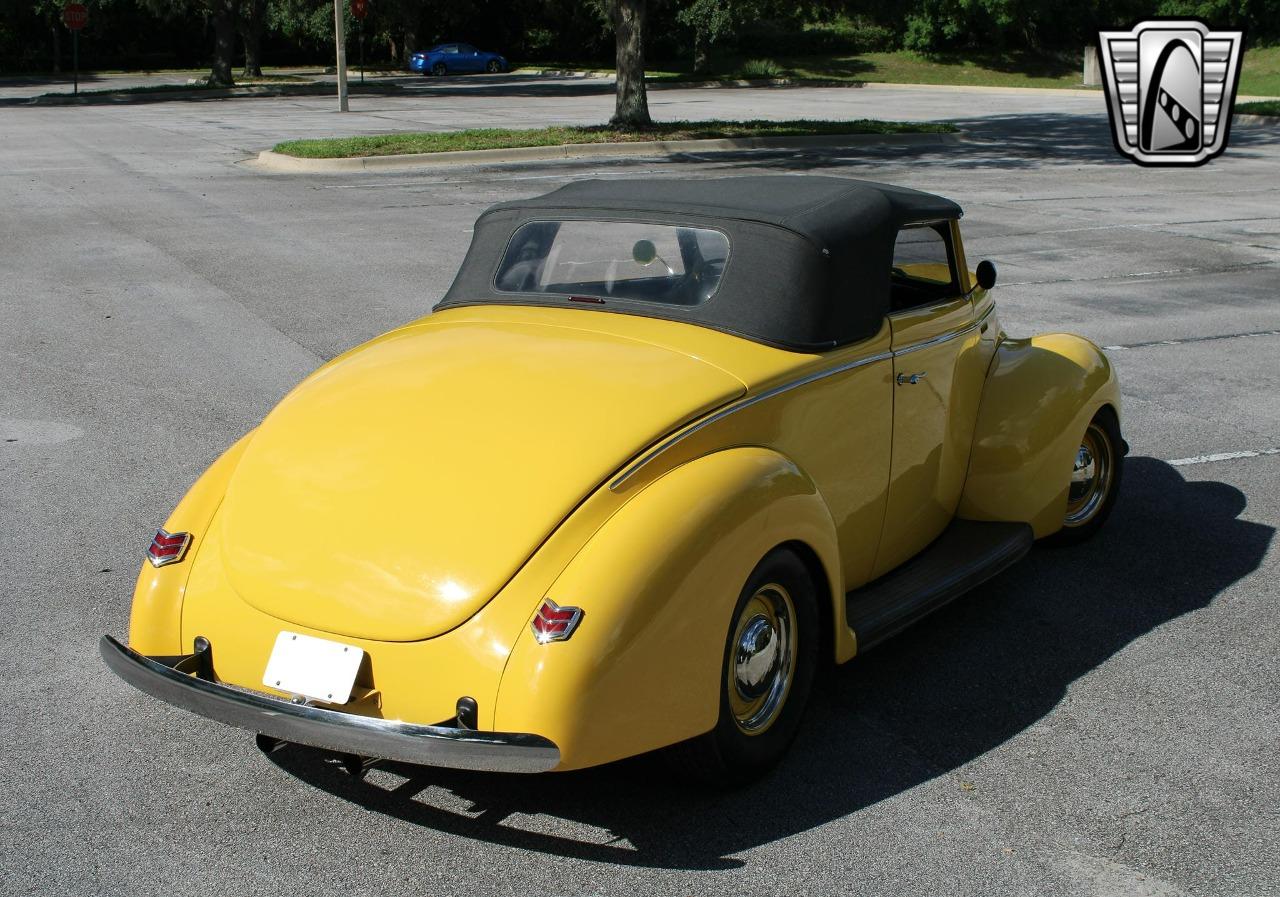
column 710, row 20
column 1259, row 18
column 222, row 15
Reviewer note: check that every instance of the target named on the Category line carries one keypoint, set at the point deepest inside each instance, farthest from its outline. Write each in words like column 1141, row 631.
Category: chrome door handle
column 912, row 379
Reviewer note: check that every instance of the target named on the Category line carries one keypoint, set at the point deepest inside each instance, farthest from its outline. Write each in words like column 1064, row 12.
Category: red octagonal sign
column 75, row 16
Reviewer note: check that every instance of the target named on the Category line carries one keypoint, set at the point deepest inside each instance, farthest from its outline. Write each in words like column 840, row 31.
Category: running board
column 967, row 554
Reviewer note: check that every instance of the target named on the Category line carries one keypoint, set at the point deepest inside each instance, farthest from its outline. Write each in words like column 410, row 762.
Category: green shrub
column 759, row 68
column 842, row 35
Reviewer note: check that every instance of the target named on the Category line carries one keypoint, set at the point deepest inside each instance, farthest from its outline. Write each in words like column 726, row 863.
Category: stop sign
column 359, row 8
column 75, row 16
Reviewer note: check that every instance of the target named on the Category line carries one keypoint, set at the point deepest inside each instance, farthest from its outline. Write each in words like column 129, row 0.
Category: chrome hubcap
column 1082, row 474
column 1091, row 476
column 756, row 661
column 762, row 662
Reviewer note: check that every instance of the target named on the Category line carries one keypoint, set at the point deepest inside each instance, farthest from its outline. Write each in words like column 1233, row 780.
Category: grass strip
column 507, row 138
column 1260, row 69
column 1265, row 107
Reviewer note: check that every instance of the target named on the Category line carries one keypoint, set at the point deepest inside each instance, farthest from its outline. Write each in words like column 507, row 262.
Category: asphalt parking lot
column 1099, row 720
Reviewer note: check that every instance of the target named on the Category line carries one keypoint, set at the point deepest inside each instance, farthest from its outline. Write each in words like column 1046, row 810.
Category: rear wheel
column 767, row 672
column 1095, row 480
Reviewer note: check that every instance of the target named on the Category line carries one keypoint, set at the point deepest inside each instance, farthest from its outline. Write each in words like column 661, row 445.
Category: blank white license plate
column 313, row 667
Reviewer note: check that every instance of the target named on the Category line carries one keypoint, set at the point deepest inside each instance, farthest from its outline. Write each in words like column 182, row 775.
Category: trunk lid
column 394, row 492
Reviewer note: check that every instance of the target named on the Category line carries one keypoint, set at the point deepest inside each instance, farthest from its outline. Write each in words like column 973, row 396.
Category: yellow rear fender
column 1038, row 400
column 658, row 583
column 156, row 620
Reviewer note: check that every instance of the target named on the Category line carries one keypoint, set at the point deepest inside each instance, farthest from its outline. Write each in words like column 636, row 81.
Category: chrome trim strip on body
column 946, row 337
column 684, row 434
column 733, row 409
column 329, row 729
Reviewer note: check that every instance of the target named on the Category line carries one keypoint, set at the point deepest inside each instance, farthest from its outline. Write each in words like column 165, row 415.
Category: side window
column 923, row 267
column 451, row 48
column 466, row 48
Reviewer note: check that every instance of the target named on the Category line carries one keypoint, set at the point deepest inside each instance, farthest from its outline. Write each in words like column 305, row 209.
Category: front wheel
column 493, row 67
column 770, row 657
column 439, row 69
column 1095, row 480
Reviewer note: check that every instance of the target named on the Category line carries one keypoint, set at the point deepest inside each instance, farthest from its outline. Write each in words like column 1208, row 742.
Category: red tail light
column 168, row 548
column 554, row 623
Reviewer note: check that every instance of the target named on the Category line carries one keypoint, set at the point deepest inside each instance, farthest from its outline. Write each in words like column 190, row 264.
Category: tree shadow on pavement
column 1013, row 141
column 957, row 685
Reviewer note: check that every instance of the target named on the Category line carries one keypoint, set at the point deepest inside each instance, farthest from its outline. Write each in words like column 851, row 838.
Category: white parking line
column 1195, row 339
column 1221, row 456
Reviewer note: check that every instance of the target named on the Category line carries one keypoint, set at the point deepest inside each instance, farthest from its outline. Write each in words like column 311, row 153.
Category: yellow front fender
column 155, row 622
column 1038, row 400
column 658, row 583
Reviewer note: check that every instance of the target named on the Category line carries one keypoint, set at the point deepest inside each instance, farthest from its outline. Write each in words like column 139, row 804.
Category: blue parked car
column 450, row 59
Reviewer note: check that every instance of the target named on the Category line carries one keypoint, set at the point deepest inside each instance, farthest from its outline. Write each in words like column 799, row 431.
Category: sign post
column 75, row 16
column 360, row 9
column 340, row 37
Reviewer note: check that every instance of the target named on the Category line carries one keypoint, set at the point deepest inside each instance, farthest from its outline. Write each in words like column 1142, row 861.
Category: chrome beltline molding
column 733, row 409
column 329, row 729
column 720, row 415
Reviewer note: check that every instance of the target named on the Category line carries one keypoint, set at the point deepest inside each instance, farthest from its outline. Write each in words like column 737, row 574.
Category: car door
column 938, row 368
column 469, row 59
column 449, row 56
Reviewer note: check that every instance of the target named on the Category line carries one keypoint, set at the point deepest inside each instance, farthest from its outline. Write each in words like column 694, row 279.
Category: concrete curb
column 270, row 161
column 831, row 82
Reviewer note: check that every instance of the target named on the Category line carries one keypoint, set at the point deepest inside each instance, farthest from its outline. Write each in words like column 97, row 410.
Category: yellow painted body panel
column 643, row 668
column 836, row 429
column 932, row 425
column 391, row 495
column 1038, row 400
column 159, row 593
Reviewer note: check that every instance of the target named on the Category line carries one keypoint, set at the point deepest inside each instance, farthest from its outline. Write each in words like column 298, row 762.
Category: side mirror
column 644, row 252
column 986, row 274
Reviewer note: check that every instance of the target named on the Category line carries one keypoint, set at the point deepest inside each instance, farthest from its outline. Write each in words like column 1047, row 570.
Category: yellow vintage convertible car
column 664, row 450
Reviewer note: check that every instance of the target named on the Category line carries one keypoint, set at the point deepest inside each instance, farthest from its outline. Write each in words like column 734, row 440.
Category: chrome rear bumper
column 184, row 682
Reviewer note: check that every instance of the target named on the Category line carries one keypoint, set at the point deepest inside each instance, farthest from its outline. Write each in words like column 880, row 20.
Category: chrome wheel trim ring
column 1091, row 476
column 762, row 659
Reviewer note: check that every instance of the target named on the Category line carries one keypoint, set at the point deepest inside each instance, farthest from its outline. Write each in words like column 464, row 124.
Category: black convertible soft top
column 809, row 259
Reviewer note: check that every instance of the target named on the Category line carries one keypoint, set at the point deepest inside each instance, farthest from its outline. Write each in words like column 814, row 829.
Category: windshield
column 615, row 260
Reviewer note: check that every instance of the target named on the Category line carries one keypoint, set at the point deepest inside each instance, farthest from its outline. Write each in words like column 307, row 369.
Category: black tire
column 493, row 67
column 728, row 756
column 439, row 69
column 1104, row 427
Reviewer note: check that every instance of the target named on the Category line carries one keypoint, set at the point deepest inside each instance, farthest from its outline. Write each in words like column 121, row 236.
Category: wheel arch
column 1040, row 395
column 658, row 583
column 829, row 599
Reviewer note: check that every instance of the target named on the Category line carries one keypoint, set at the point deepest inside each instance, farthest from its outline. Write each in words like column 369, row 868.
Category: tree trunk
column 224, row 43
column 632, row 107
column 701, row 56
column 251, row 33
column 406, row 47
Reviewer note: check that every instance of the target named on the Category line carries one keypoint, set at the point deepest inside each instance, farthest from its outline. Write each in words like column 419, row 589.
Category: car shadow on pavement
column 957, row 685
